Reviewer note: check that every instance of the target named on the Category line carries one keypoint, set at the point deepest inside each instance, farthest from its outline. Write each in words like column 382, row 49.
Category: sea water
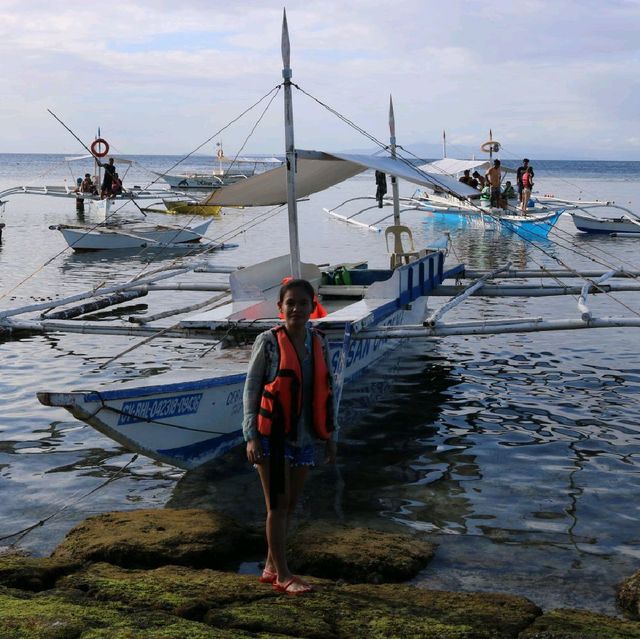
column 517, row 453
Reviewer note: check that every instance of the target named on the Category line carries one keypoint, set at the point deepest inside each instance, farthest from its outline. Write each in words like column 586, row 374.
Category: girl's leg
column 278, row 521
column 276, row 524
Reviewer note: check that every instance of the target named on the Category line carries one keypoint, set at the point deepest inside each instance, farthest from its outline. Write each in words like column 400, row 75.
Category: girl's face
column 296, row 307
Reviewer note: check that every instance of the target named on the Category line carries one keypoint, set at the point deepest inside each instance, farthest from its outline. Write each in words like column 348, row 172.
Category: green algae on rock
column 56, row 616
column 175, row 589
column 628, row 595
column 580, row 624
column 241, row 603
column 149, row 538
column 356, row 555
column 33, row 573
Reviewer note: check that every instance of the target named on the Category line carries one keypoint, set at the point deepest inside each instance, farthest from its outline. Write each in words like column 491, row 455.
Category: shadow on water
column 384, row 426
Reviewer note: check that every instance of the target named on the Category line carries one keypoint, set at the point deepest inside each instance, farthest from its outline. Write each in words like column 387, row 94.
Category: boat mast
column 97, row 168
column 444, row 143
column 394, row 181
column 294, row 243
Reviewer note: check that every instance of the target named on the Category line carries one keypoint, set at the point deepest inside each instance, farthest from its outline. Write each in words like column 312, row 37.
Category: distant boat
column 467, row 202
column 228, row 171
column 129, row 236
column 186, row 207
column 587, row 223
column 453, row 200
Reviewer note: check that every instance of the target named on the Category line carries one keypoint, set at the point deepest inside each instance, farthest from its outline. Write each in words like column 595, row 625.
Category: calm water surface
column 518, row 452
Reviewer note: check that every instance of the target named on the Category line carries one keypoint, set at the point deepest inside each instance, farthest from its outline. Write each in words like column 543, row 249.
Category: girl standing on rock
column 288, row 405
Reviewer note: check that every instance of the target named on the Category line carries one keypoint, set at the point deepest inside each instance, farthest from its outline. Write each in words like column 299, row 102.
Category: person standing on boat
column 527, row 185
column 107, row 179
column 521, row 171
column 494, row 177
column 288, row 405
column 381, row 187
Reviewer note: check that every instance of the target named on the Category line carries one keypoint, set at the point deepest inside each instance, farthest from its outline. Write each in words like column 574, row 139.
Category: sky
column 552, row 79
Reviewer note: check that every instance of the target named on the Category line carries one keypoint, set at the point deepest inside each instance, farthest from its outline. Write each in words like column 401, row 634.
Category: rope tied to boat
column 21, row 534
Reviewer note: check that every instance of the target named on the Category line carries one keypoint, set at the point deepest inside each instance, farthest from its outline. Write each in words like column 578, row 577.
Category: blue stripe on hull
column 203, row 450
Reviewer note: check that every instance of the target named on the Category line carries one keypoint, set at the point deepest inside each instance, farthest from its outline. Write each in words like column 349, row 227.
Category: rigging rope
column 433, row 178
column 217, row 133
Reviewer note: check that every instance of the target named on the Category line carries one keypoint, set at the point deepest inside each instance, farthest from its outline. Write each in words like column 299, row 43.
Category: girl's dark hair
column 291, row 283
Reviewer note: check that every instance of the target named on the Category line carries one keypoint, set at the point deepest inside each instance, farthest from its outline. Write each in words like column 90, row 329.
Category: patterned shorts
column 297, row 455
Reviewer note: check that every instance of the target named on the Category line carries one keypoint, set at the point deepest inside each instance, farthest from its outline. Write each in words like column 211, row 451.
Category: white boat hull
column 188, row 422
column 197, row 181
column 129, row 237
column 604, row 225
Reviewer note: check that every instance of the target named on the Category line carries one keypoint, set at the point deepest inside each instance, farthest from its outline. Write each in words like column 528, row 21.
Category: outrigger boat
column 186, row 422
column 111, row 237
column 228, row 171
column 627, row 223
column 451, row 200
column 109, row 231
column 467, row 204
column 188, row 419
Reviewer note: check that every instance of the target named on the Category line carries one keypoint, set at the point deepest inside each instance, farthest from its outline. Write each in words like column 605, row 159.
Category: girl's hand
column 330, row 452
column 254, row 451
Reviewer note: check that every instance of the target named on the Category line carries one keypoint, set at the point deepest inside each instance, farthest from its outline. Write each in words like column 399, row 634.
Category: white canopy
column 228, row 159
column 317, row 171
column 451, row 166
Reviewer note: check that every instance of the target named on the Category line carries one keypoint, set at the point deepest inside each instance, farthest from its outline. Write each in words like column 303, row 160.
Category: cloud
column 532, row 70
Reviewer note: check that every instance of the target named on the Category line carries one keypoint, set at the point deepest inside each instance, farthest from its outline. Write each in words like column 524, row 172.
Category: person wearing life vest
column 288, row 405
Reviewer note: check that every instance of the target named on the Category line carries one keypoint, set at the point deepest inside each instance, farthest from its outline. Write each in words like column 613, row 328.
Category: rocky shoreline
column 172, row 574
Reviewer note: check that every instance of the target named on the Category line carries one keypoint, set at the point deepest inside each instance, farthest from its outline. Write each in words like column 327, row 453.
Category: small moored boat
column 129, row 236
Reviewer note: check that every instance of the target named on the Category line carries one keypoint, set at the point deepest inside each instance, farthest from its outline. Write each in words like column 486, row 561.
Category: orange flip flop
column 267, row 577
column 286, row 587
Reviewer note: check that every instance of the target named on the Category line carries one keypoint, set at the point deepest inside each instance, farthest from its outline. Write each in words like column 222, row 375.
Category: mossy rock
column 157, row 537
column 32, row 573
column 580, row 624
column 357, row 555
column 628, row 595
column 382, row 612
column 489, row 614
column 174, row 589
column 239, row 603
column 54, row 616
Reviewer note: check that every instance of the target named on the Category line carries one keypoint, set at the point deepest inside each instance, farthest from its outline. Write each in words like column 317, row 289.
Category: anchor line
column 21, row 534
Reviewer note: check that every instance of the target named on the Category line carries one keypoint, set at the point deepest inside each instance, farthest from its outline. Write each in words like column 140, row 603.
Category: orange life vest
column 281, row 401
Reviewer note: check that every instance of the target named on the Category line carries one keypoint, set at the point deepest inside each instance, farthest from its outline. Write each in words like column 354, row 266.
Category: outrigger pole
column 294, row 242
